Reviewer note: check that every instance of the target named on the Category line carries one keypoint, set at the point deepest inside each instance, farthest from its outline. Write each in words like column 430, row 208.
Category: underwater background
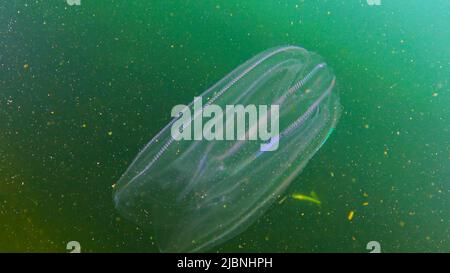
column 84, row 87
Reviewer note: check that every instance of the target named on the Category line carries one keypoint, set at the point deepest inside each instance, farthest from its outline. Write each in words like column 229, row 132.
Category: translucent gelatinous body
column 199, row 193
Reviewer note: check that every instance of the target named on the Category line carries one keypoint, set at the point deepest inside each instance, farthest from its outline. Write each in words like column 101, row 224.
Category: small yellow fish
column 350, row 215
column 313, row 198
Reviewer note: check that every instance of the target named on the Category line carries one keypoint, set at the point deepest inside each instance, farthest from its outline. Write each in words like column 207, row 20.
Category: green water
column 83, row 88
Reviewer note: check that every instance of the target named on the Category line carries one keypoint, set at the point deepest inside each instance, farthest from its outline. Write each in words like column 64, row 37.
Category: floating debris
column 282, row 200
column 350, row 215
